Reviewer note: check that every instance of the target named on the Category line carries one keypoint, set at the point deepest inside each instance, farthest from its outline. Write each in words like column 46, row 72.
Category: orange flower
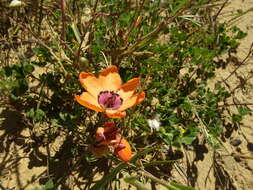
column 106, row 93
column 109, row 136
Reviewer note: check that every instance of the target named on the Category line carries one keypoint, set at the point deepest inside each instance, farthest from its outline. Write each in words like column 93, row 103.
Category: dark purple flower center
column 109, row 100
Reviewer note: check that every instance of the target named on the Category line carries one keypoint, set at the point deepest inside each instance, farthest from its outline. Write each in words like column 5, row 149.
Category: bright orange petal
column 91, row 83
column 127, row 89
column 115, row 113
column 87, row 100
column 110, row 79
column 124, row 154
column 132, row 101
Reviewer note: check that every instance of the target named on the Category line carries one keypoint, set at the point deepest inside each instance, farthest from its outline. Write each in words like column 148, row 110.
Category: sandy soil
column 230, row 168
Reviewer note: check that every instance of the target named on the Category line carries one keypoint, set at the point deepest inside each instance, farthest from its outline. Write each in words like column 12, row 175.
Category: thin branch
column 95, row 7
column 39, row 41
column 48, row 159
column 242, row 84
column 53, row 54
column 63, row 30
column 40, row 16
column 244, row 60
column 237, row 17
column 237, row 104
column 135, row 23
column 219, row 11
column 156, row 31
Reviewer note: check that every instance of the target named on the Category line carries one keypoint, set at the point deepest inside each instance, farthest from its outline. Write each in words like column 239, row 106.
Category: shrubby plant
column 174, row 47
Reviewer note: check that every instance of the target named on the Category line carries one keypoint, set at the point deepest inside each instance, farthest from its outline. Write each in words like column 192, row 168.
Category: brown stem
column 237, row 104
column 244, row 60
column 63, row 30
column 219, row 11
column 156, row 31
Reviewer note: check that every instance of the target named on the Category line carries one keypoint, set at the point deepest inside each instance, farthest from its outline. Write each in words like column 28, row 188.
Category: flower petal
column 132, row 101
column 125, row 154
column 109, row 125
column 100, row 134
column 87, row 100
column 91, row 83
column 110, row 79
column 115, row 113
column 127, row 89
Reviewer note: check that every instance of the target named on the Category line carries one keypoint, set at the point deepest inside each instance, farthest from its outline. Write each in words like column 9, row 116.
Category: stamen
column 109, row 100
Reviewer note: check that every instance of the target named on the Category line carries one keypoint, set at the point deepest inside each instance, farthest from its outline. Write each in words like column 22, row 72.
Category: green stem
column 133, row 180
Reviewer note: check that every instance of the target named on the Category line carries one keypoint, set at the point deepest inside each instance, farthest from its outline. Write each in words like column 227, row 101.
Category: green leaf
column 217, row 86
column 133, row 180
column 158, row 162
column 240, row 35
column 49, row 185
column 30, row 113
column 39, row 114
column 28, row 68
column 8, row 71
column 62, row 116
column 243, row 110
column 170, row 186
column 181, row 187
column 188, row 139
column 236, row 118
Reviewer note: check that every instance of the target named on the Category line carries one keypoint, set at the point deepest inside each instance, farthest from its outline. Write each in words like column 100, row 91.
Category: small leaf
column 62, row 116
column 28, row 68
column 30, row 113
column 188, row 140
column 49, row 185
column 8, row 71
column 240, row 35
column 236, row 118
column 39, row 115
column 133, row 180
column 244, row 110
